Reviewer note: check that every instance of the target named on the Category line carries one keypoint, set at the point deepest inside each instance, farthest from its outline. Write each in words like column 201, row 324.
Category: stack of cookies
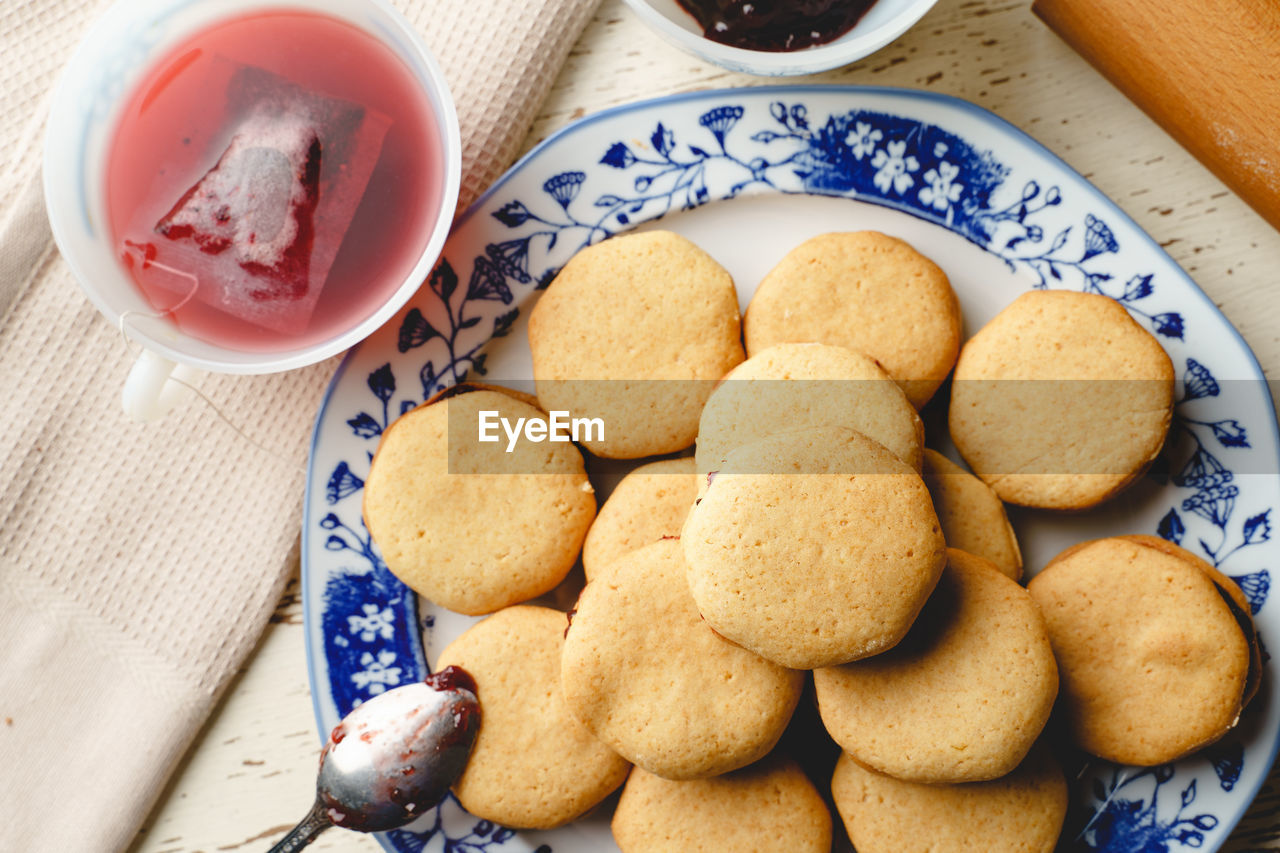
column 811, row 531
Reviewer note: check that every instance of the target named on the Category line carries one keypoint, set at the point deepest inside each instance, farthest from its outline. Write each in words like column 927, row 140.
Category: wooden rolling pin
column 1208, row 71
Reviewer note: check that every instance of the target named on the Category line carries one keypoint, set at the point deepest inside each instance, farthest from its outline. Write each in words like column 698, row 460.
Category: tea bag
column 258, row 232
column 258, row 204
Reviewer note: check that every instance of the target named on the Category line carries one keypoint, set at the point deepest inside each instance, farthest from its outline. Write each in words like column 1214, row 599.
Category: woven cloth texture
column 139, row 563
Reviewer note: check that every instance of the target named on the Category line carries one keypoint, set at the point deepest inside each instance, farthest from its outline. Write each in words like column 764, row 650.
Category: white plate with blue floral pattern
column 747, row 174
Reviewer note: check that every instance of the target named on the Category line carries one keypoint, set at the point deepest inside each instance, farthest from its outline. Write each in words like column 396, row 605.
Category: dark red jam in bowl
column 776, row 25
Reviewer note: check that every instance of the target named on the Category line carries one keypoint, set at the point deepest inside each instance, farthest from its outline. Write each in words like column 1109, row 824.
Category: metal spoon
column 392, row 758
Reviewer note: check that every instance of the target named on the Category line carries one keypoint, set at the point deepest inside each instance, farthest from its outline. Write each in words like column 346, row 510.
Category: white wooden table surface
column 250, row 772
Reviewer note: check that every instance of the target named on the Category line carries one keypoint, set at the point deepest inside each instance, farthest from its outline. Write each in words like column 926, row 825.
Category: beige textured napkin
column 139, row 563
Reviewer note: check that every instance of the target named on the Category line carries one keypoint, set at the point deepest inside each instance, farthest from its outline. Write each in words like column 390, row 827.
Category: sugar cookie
column 796, row 386
column 534, row 766
column 1019, row 813
column 651, row 679
column 466, row 524
column 813, row 548
column 1156, row 648
column 866, row 291
column 962, row 697
column 635, row 331
column 1061, row 400
column 649, row 503
column 769, row 807
column 972, row 516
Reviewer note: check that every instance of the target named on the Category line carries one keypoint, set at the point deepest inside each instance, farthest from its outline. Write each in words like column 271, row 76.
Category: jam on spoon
column 393, row 757
column 776, row 25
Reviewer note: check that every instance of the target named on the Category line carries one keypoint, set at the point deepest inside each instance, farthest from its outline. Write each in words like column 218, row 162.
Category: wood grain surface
column 250, row 773
column 1210, row 78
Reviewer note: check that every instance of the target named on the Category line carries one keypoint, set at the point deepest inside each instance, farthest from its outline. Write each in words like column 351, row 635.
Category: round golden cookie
column 1061, row 400
column 1156, row 648
column 466, row 524
column 651, row 679
column 1020, row 813
column 796, row 386
column 649, row 503
column 866, row 291
column 813, row 548
column 971, row 514
column 963, row 697
column 634, row 331
column 533, row 766
column 769, row 807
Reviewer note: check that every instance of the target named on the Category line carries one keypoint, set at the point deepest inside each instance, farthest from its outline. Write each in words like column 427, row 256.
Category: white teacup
column 115, row 52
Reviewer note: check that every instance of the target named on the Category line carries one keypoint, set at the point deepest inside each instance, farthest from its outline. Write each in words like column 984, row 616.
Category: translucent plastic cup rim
column 115, row 51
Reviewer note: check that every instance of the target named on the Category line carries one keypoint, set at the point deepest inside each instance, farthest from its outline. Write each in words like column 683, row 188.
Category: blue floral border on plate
column 768, row 140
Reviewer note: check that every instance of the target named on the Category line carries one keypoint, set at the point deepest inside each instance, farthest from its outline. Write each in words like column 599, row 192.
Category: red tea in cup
column 273, row 180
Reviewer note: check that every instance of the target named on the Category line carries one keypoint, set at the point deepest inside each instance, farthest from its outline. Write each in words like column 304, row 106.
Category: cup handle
column 148, row 394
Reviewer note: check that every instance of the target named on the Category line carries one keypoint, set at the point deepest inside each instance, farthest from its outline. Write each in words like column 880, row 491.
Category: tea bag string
column 160, row 315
